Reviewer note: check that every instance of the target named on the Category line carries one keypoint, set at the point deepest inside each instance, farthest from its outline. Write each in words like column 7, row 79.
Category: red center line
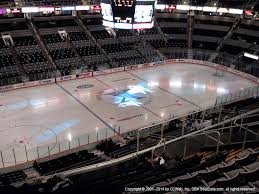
column 141, row 105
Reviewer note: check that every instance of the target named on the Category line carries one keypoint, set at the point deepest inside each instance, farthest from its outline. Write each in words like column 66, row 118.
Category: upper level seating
column 8, row 69
column 101, row 34
column 12, row 26
column 24, row 41
column 231, row 49
column 52, row 38
column 204, row 45
column 9, row 72
column 207, row 32
column 246, row 38
column 67, row 162
column 176, row 43
column 32, row 57
column 12, row 177
column 129, row 60
column 157, row 43
column 174, row 30
column 62, row 54
column 121, row 33
column 213, row 21
column 55, row 23
column 2, row 45
column 88, row 51
column 110, row 48
column 173, row 19
column 76, row 36
column 249, row 26
column 231, row 3
column 148, row 31
column 92, row 21
column 6, row 60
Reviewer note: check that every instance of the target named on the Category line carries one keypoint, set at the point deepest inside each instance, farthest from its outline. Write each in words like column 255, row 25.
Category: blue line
column 166, row 90
column 87, row 108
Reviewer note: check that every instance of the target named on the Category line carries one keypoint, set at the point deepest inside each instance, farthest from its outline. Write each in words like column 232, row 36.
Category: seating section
column 111, row 48
column 94, row 47
column 13, row 26
column 32, row 57
column 55, row 23
column 93, row 21
column 101, row 34
column 88, row 51
column 156, row 44
column 234, row 50
column 176, row 43
column 7, row 60
column 148, row 31
column 8, row 70
column 52, row 38
column 62, row 54
column 114, row 150
column 76, row 36
column 67, row 162
column 223, row 169
column 34, row 63
column 24, row 41
column 11, row 177
column 2, row 44
column 231, row 3
column 204, row 45
column 122, row 33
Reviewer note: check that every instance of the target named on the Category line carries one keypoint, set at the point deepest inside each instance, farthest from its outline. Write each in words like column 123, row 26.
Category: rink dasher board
column 128, row 68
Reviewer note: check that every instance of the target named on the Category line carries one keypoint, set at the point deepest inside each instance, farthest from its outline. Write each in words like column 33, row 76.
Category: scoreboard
column 128, row 14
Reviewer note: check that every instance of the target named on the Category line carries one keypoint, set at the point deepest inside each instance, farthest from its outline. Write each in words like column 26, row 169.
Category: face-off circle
column 29, row 135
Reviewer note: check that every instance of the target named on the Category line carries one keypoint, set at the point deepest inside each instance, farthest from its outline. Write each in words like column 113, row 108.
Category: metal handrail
column 245, row 136
column 133, row 155
column 205, row 133
column 160, row 142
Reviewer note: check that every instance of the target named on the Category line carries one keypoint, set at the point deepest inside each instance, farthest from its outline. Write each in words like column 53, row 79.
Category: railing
column 13, row 155
column 93, row 167
column 237, row 96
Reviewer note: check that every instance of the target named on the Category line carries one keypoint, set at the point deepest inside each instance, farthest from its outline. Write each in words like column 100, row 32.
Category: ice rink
column 84, row 110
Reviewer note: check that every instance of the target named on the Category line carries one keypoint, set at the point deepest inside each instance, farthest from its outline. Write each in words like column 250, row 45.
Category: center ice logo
column 134, row 95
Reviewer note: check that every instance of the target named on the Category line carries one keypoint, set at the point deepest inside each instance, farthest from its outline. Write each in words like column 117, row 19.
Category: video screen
column 122, row 12
column 107, row 11
column 143, row 13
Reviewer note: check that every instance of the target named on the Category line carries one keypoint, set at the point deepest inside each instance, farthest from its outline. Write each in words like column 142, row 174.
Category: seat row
column 66, row 162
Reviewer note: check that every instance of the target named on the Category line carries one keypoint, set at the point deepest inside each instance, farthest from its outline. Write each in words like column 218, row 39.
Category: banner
column 85, row 74
column 67, row 77
column 107, row 71
column 130, row 67
column 47, row 81
column 6, row 88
